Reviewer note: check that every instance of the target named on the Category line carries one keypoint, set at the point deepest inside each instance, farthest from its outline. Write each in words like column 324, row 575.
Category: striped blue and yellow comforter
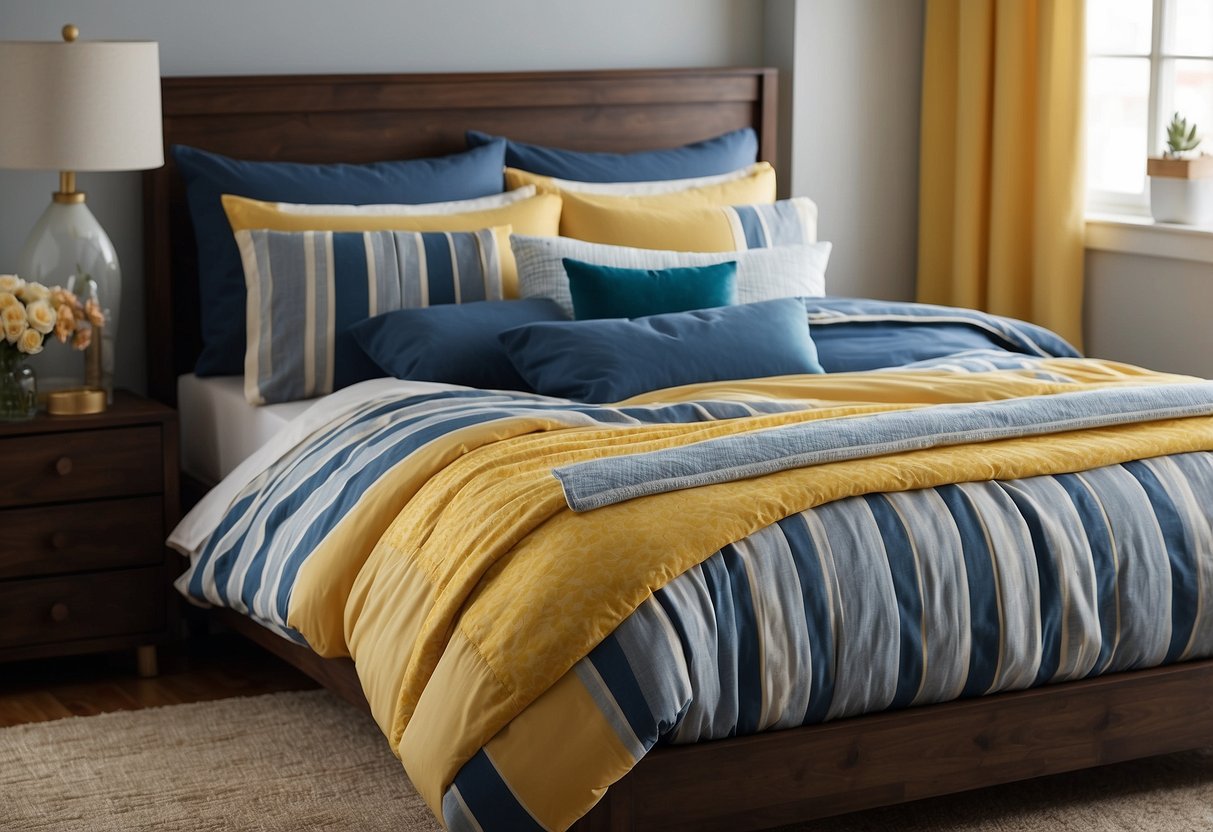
column 521, row 656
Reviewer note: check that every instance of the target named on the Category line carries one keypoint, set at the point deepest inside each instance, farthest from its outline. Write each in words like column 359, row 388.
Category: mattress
column 219, row 429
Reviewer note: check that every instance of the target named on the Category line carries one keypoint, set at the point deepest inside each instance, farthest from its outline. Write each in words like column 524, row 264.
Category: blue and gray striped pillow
column 307, row 288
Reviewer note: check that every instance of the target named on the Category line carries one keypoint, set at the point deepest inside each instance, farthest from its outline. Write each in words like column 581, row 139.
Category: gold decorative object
column 80, row 401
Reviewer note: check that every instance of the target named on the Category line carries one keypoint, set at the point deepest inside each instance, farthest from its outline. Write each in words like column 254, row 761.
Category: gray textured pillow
column 762, row 273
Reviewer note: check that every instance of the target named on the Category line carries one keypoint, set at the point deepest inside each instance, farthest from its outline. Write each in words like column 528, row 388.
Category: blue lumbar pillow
column 710, row 157
column 611, row 359
column 609, row 292
column 452, row 343
column 208, row 176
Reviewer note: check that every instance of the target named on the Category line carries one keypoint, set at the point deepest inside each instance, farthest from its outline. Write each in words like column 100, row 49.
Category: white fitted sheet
column 219, row 429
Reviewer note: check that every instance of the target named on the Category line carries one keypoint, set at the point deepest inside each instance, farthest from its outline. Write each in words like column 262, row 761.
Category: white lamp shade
column 83, row 106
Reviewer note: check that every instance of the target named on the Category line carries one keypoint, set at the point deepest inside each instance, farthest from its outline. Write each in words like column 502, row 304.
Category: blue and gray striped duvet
column 861, row 605
column 886, row 601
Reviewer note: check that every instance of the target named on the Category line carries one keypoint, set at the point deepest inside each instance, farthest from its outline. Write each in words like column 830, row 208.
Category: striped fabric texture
column 250, row 561
column 887, row 601
column 307, row 288
column 762, row 274
column 788, row 222
column 860, row 605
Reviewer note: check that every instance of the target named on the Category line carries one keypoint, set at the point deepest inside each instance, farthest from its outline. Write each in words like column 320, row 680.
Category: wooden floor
column 204, row 668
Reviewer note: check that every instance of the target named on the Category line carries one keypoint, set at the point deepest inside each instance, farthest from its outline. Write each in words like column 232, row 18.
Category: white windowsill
column 1128, row 234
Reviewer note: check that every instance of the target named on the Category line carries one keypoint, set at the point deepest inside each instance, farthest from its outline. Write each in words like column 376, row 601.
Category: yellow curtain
column 1001, row 166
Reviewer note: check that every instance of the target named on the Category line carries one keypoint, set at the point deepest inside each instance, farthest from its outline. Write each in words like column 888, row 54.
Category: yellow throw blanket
column 486, row 589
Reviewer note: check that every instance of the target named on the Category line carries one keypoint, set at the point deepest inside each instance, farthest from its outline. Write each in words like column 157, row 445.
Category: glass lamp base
column 69, row 248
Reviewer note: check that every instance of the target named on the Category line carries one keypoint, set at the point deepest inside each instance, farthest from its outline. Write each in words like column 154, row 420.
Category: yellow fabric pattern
column 1001, row 163
column 448, row 655
column 538, row 216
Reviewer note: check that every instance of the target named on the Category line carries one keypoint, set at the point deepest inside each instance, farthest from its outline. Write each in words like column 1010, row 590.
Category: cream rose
column 32, row 292
column 13, row 332
column 41, row 316
column 11, row 283
column 15, row 323
column 30, row 342
column 8, row 299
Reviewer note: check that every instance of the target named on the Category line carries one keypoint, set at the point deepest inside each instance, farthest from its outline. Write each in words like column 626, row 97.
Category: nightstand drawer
column 107, row 534
column 80, row 465
column 92, row 606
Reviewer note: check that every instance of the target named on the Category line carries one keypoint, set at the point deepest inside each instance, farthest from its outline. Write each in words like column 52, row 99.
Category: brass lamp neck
column 67, row 193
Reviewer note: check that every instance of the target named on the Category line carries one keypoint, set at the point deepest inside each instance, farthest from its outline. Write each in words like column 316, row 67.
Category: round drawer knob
column 60, row 612
column 60, row 540
column 64, row 466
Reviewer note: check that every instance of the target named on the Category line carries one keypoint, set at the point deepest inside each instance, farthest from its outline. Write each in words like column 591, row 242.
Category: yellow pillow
column 537, row 216
column 751, row 185
column 610, row 221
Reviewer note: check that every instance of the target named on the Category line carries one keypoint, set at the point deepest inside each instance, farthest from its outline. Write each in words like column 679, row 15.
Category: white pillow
column 762, row 273
column 457, row 207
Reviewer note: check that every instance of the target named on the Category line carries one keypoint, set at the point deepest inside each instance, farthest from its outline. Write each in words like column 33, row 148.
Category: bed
column 746, row 782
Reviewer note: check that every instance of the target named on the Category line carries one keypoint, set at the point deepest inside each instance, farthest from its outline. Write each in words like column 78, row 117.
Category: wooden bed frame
column 745, row 783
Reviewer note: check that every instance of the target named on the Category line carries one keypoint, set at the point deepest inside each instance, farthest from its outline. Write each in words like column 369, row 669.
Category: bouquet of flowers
column 29, row 312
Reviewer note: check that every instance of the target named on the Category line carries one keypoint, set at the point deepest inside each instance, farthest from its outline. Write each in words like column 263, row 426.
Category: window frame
column 1161, row 98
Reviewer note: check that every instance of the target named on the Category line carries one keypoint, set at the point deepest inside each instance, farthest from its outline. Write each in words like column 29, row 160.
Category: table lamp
column 79, row 106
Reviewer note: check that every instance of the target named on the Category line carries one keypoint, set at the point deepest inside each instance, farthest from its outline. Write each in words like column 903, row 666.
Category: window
column 1146, row 59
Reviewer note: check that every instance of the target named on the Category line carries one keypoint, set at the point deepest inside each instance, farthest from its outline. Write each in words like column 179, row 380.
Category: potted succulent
column 1181, row 181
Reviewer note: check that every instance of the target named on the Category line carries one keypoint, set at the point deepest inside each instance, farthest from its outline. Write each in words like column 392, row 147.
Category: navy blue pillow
column 610, row 292
column 609, row 360
column 722, row 154
column 208, row 176
column 452, row 343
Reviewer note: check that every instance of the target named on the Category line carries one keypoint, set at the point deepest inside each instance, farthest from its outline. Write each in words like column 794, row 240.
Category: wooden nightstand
column 86, row 503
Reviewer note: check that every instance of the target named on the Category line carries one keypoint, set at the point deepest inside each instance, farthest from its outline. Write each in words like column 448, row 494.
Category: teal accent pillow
column 208, row 176
column 452, row 343
column 614, row 358
column 721, row 154
column 608, row 292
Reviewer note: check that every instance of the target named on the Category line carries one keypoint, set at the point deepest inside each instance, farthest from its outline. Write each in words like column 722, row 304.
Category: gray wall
column 847, row 64
column 1150, row 311
column 851, row 115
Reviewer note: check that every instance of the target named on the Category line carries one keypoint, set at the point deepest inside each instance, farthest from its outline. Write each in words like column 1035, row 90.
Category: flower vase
column 18, row 387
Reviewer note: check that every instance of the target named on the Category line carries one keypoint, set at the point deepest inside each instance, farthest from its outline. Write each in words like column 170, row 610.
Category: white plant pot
column 1189, row 201
column 1181, row 189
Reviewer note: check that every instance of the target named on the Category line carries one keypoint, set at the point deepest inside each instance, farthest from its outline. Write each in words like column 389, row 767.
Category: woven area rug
column 305, row 760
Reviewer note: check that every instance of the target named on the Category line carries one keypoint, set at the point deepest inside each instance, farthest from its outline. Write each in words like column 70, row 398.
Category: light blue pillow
column 611, row 359
column 208, row 176
column 722, row 154
column 452, row 343
column 301, row 313
column 607, row 292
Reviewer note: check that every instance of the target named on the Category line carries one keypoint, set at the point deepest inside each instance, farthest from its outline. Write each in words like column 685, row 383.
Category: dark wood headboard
column 363, row 118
